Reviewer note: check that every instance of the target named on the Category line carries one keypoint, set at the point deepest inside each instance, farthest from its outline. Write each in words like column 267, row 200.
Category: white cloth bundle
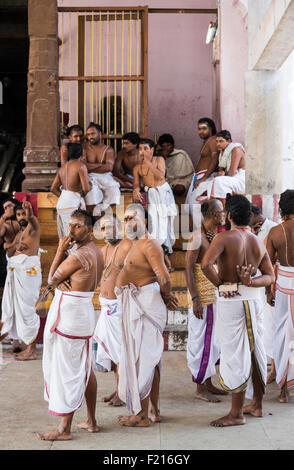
column 162, row 210
column 21, row 290
column 239, row 329
column 105, row 191
column 144, row 317
column 68, row 202
column 108, row 333
column 67, row 353
column 284, row 326
column 202, row 345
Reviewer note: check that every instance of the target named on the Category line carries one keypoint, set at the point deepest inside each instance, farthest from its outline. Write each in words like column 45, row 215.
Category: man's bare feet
column 108, row 398
column 115, row 401
column 253, row 410
column 134, row 421
column 90, row 427
column 55, row 435
column 228, row 420
column 205, row 395
column 154, row 415
column 26, row 356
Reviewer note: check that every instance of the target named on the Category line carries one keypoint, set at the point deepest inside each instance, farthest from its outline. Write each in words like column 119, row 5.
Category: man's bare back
column 277, row 242
column 72, row 176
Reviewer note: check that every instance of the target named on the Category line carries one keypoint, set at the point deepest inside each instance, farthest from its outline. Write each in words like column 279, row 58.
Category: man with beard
column 99, row 159
column 207, row 165
column 144, row 293
column 127, row 159
column 67, row 358
column 243, row 364
column 23, row 282
column 108, row 330
column 9, row 227
column 75, row 135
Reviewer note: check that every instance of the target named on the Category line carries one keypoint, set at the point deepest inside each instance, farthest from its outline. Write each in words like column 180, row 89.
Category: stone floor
column 185, row 420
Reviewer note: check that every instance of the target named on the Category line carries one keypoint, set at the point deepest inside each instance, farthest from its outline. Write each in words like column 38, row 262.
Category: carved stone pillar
column 41, row 153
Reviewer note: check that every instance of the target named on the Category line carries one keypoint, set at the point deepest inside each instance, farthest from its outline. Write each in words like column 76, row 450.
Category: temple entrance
column 14, row 53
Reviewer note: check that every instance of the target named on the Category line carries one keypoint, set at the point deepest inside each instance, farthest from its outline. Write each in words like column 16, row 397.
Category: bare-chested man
column 75, row 135
column 108, row 332
column 202, row 347
column 70, row 185
column 239, row 254
column 67, row 357
column 100, row 160
column 280, row 246
column 144, row 294
column 23, row 282
column 161, row 202
column 207, row 165
column 127, row 159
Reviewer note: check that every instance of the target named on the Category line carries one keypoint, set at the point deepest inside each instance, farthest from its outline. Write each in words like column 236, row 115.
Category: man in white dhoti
column 261, row 226
column 70, row 185
column 280, row 245
column 144, row 294
column 161, row 202
column 179, row 166
column 231, row 168
column 67, row 356
column 23, row 283
column 202, row 346
column 206, row 168
column 108, row 329
column 239, row 310
column 100, row 159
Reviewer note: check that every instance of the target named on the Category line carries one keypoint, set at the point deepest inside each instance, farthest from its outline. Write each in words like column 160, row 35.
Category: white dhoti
column 68, row 202
column 195, row 195
column 284, row 326
column 239, row 331
column 108, row 333
column 162, row 210
column 21, row 290
column 144, row 317
column 67, row 351
column 220, row 186
column 105, row 192
column 202, row 345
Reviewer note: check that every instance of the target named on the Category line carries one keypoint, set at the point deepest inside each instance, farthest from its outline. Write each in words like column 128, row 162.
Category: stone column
column 41, row 153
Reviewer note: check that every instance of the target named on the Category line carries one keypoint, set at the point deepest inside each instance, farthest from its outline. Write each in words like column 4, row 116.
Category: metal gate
column 103, row 68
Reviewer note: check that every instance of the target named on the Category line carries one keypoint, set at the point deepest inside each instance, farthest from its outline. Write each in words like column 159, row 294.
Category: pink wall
column 181, row 74
column 232, row 67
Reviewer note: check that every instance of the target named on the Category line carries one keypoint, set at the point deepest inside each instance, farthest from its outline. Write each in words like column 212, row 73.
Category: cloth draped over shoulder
column 108, row 333
column 67, row 351
column 225, row 156
column 179, row 168
column 239, row 329
column 21, row 290
column 162, row 210
column 144, row 317
column 284, row 326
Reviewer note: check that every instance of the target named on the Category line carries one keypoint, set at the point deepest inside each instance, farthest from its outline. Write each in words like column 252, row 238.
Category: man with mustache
column 23, row 282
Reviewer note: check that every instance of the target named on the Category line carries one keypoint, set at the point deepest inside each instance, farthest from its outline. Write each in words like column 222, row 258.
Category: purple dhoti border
column 206, row 346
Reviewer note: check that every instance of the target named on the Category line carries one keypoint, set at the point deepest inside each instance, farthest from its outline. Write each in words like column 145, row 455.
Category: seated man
column 99, row 159
column 207, row 165
column 70, row 185
column 127, row 159
column 231, row 171
column 179, row 167
column 75, row 135
column 161, row 202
